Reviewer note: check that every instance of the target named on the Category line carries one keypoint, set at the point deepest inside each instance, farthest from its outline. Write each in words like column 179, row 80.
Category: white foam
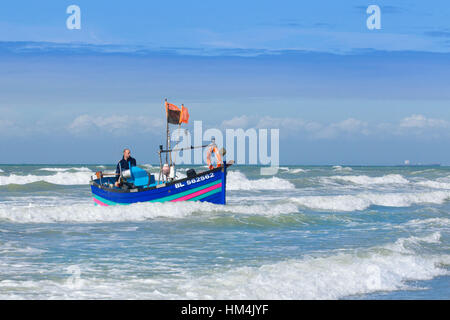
column 15, row 247
column 1, row 170
column 63, row 178
column 298, row 170
column 365, row 200
column 83, row 169
column 36, row 200
column 135, row 212
column 366, row 180
column 340, row 168
column 294, row 170
column 432, row 222
column 328, row 276
column 236, row 180
column 263, row 209
column 434, row 184
column 406, row 245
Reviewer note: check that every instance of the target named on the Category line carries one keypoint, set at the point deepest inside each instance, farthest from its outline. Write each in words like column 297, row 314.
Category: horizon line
column 75, row 47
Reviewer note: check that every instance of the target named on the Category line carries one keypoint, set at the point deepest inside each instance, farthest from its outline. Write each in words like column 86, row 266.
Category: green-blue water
column 305, row 233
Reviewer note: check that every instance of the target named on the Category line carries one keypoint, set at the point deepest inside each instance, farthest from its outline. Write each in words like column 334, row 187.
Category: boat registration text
column 195, row 180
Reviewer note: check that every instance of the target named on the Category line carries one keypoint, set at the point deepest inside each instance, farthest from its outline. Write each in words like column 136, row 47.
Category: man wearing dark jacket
column 124, row 164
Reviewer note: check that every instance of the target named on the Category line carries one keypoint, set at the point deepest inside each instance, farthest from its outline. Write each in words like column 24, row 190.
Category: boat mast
column 167, row 130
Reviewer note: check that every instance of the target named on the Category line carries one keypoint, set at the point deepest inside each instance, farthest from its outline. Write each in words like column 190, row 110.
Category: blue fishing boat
column 138, row 185
column 207, row 186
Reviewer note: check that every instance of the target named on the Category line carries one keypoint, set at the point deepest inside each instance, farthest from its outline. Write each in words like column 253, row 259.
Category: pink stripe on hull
column 195, row 194
column 99, row 202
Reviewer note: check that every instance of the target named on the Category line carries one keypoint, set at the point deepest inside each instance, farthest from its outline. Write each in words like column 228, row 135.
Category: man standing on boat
column 124, row 164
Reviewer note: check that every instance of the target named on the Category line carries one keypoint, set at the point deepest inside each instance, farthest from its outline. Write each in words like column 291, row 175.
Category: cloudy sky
column 338, row 92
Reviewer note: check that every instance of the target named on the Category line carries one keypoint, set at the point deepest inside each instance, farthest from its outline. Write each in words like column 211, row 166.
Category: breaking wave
column 365, row 200
column 298, row 170
column 334, row 275
column 37, row 186
column 435, row 184
column 63, row 178
column 236, row 180
column 366, row 180
column 83, row 169
column 428, row 223
column 340, row 168
column 293, row 170
column 88, row 213
column 384, row 268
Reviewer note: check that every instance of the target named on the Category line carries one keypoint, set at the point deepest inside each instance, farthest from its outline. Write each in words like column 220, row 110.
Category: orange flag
column 184, row 116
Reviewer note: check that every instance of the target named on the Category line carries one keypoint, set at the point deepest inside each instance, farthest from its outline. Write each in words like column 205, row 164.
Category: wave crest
column 83, row 169
column 366, row 180
column 384, row 268
column 347, row 203
column 236, row 180
column 88, row 213
column 63, row 178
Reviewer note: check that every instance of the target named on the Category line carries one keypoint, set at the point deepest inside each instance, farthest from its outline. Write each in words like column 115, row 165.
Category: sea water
column 325, row 232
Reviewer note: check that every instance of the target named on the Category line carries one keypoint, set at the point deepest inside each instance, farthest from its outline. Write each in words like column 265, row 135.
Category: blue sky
column 339, row 92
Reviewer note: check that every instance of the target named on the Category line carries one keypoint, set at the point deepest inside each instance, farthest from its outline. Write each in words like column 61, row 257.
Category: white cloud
column 236, row 122
column 420, row 121
column 292, row 123
column 314, row 129
column 415, row 125
column 81, row 124
column 114, row 124
column 347, row 127
column 419, row 125
column 352, row 125
column 301, row 127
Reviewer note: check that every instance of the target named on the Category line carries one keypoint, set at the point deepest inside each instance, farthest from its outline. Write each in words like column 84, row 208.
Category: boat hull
column 209, row 186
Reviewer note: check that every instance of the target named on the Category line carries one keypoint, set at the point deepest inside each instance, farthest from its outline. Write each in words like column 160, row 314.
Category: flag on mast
column 184, row 116
column 176, row 115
